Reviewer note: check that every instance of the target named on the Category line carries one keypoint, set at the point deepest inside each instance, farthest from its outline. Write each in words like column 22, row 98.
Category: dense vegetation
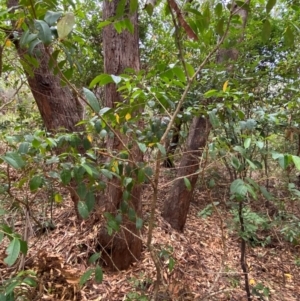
column 121, row 114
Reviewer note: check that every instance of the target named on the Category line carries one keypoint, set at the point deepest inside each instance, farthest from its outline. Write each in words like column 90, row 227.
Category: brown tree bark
column 121, row 51
column 59, row 109
column 176, row 206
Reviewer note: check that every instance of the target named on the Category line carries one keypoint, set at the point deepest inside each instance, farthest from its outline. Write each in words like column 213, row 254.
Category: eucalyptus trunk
column 121, row 51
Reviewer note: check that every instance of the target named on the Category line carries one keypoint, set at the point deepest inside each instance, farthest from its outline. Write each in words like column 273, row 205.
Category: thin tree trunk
column 121, row 51
column 176, row 207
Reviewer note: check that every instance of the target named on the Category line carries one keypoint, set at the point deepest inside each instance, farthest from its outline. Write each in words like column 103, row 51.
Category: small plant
column 208, row 210
column 18, row 287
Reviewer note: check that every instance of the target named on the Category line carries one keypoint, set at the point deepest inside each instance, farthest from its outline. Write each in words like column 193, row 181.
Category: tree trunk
column 176, row 207
column 59, row 109
column 121, row 51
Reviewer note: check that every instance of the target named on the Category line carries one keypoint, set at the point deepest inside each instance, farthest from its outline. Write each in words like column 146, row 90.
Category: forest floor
column 206, row 259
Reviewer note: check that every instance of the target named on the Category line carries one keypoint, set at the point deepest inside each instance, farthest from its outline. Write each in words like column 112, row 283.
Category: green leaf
column 171, row 264
column 103, row 24
column 266, row 31
column 296, row 161
column 51, row 17
column 179, row 73
column 35, row 182
column 24, row 148
column 92, row 100
column 32, row 45
column 107, row 173
column 220, row 27
column 90, row 201
column 86, row 276
column 13, row 159
column 187, row 184
column 65, row 176
column 266, row 193
column 13, row 251
column 270, row 5
column 98, row 274
column 289, row 38
column 211, row 93
column 284, row 161
column 190, row 69
column 45, row 34
column 120, row 8
column 247, row 143
column 141, row 176
column 161, row 148
column 83, row 209
column 65, row 25
column 142, row 147
column 238, row 187
column 116, row 79
column 81, row 190
column 102, row 79
column 213, row 119
column 23, row 246
column 149, row 8
column 139, row 223
column 218, row 9
column 94, row 257
column 27, row 37
column 133, row 6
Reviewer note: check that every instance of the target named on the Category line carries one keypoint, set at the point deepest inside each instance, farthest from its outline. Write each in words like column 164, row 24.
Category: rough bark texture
column 58, row 106
column 177, row 205
column 121, row 51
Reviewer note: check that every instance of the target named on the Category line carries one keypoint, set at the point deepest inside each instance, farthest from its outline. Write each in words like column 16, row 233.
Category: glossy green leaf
column 142, row 147
column 179, row 73
column 83, row 209
column 65, row 176
column 14, row 159
column 45, row 34
column 238, row 187
column 107, row 173
column 51, row 17
column 92, row 100
column 213, row 119
column 35, row 182
column 27, row 37
column 161, row 149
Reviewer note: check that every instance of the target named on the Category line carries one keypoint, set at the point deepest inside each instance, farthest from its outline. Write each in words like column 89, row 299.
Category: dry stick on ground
column 162, row 141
